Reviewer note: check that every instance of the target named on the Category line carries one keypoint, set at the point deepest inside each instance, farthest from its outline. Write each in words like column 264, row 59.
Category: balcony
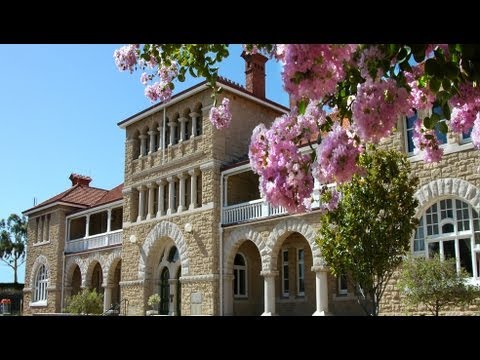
column 258, row 209
column 94, row 242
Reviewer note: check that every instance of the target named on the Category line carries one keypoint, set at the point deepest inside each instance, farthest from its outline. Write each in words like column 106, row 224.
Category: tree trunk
column 15, row 271
column 437, row 308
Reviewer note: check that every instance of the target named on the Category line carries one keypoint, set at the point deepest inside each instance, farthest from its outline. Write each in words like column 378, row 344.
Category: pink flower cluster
column 126, row 57
column 465, row 108
column 312, row 71
column 376, row 108
column 337, row 157
column 330, row 199
column 160, row 90
column 369, row 62
column 285, row 172
column 221, row 116
column 421, row 98
column 425, row 139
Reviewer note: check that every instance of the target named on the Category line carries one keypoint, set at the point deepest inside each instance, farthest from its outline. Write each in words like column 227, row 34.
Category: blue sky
column 59, row 106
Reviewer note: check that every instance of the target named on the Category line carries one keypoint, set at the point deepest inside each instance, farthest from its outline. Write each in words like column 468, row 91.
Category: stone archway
column 435, row 189
column 161, row 230
column 39, row 261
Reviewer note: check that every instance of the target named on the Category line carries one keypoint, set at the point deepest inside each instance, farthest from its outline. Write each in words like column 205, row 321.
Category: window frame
column 285, row 271
column 300, row 274
column 40, row 288
column 237, row 278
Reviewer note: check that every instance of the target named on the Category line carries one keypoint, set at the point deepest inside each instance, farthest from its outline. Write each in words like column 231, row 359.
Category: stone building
column 189, row 224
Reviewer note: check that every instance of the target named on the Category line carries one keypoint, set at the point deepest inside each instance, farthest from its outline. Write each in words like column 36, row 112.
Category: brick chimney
column 255, row 74
column 80, row 179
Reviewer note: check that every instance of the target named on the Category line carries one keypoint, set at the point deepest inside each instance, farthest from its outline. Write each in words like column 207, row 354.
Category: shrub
column 86, row 302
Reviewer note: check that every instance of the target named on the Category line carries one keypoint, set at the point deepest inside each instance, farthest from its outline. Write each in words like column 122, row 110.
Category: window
column 240, row 276
column 342, row 286
column 41, row 281
column 300, row 272
column 451, row 229
column 466, row 137
column 285, row 277
column 410, row 124
column 199, row 125
column 173, row 255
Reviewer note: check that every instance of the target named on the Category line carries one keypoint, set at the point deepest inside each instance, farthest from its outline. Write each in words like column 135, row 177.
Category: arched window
column 41, row 280
column 240, row 276
column 173, row 255
column 450, row 228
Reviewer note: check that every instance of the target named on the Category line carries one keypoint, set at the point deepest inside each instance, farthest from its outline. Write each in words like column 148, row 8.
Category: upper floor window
column 466, row 136
column 450, row 228
column 40, row 286
column 240, row 276
column 410, row 124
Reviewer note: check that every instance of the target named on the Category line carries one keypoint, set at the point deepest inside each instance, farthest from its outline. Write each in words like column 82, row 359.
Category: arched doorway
column 116, row 295
column 76, row 281
column 97, row 279
column 164, row 292
column 247, row 283
column 295, row 283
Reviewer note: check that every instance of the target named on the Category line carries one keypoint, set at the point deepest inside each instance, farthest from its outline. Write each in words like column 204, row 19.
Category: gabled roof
column 111, row 196
column 221, row 81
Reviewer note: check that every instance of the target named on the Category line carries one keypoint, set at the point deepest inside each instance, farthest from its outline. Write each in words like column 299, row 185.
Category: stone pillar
column 107, row 297
column 269, row 292
column 183, row 122
column 151, row 200
column 46, row 228
column 160, row 137
column 87, row 226
column 172, row 125
column 193, row 189
column 181, row 193
column 228, row 294
column 161, row 195
column 172, row 305
column 141, row 202
column 152, row 134
column 171, row 191
column 109, row 220
column 143, row 144
column 321, row 290
column 194, row 117
column 225, row 190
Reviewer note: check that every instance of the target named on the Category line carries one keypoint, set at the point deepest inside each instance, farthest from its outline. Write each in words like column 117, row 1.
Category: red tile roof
column 110, row 196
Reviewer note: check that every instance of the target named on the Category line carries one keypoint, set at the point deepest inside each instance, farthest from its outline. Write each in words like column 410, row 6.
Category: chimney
column 255, row 74
column 80, row 179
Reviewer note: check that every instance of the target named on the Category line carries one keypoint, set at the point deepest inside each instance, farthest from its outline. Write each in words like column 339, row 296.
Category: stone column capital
column 193, row 172
column 194, row 114
column 152, row 132
column 141, row 187
column 161, row 182
column 143, row 136
column 319, row 268
column 269, row 273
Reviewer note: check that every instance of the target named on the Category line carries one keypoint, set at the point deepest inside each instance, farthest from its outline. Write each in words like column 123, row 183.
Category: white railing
column 94, row 242
column 259, row 209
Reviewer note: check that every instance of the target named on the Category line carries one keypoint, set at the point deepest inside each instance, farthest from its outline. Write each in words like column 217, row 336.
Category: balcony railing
column 259, row 209
column 94, row 242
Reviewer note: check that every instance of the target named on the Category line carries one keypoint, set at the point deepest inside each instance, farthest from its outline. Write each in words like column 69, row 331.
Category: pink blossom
column 370, row 62
column 221, row 116
column 476, row 132
column 420, row 98
column 466, row 107
column 144, row 78
column 312, row 71
column 158, row 91
column 126, row 57
column 425, row 139
column 337, row 157
column 376, row 108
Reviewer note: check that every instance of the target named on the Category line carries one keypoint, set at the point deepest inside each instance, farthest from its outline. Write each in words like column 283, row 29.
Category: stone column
column 143, row 145
column 160, row 137
column 228, row 294
column 181, row 193
column 141, row 202
column 172, row 305
column 172, row 125
column 151, row 200
column 46, row 228
column 152, row 134
column 194, row 117
column 269, row 292
column 109, row 220
column 193, row 189
column 321, row 290
column 183, row 122
column 107, row 297
column 225, row 190
column 87, row 226
column 171, row 191
column 161, row 195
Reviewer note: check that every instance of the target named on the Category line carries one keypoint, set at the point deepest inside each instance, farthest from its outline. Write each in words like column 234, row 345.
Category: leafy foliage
column 13, row 239
column 153, row 301
column 86, row 302
column 435, row 284
column 369, row 232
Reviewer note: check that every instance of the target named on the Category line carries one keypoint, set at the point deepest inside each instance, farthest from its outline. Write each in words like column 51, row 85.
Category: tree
column 367, row 234
column 86, row 302
column 435, row 283
column 13, row 239
column 371, row 85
